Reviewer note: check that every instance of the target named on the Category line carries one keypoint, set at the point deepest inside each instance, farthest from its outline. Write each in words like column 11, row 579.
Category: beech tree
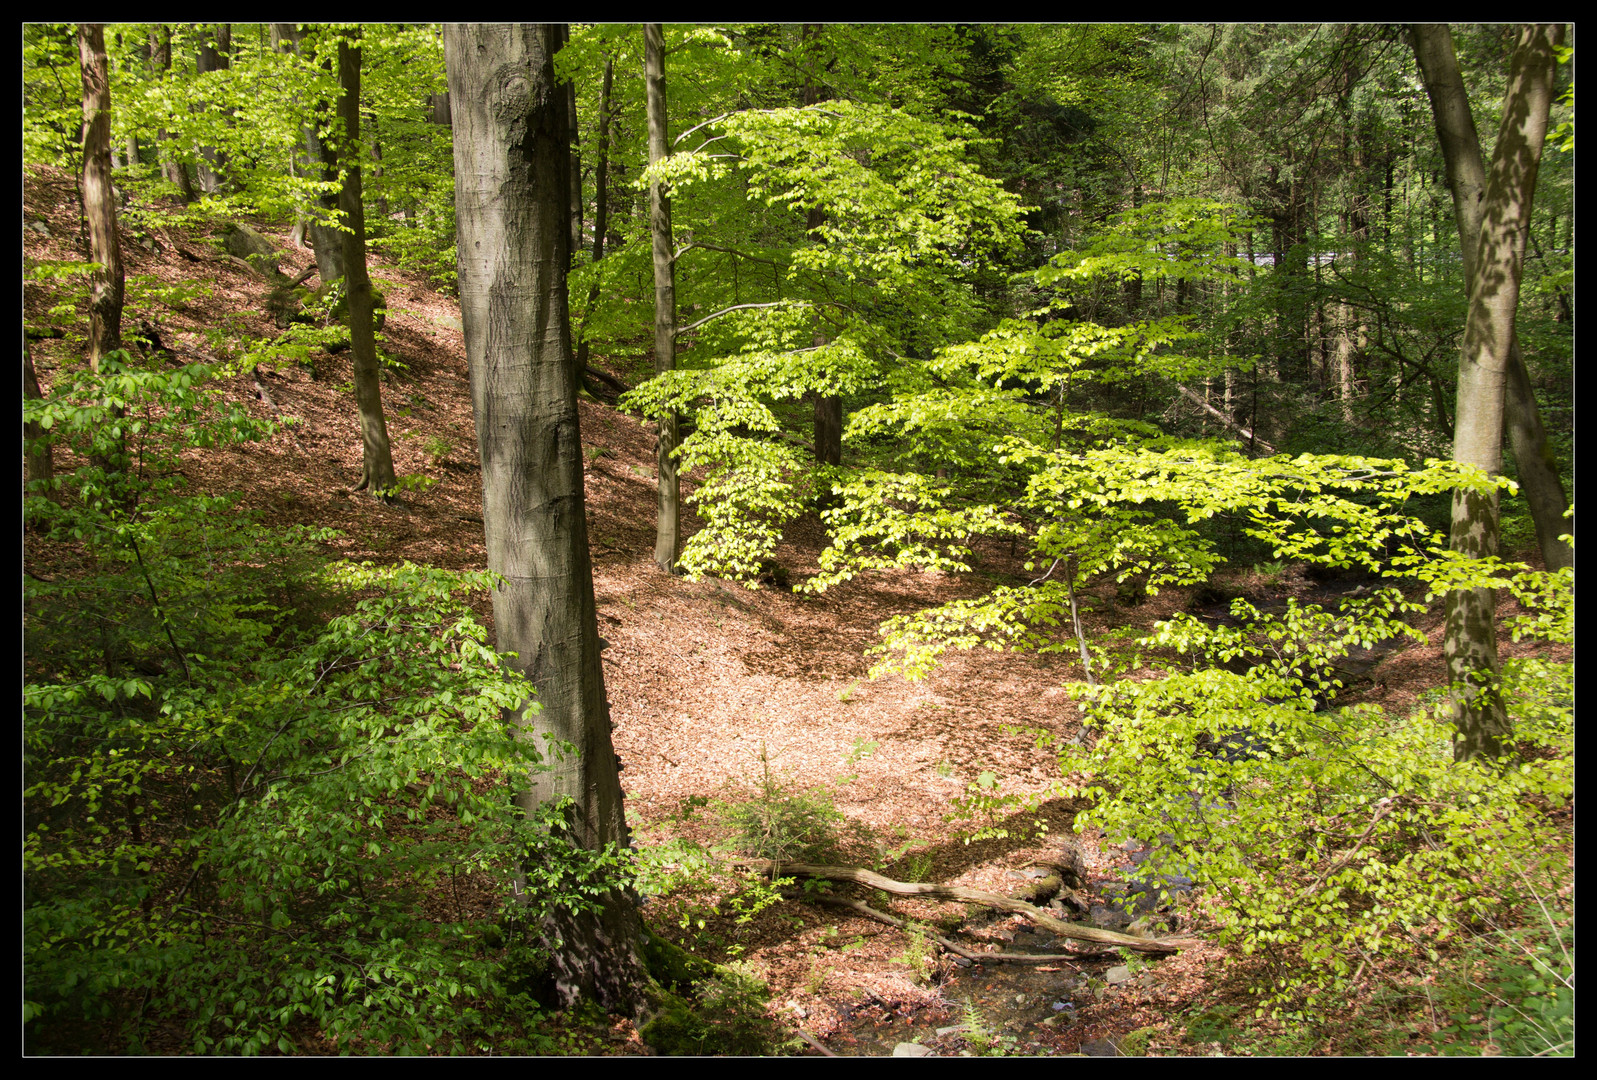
column 509, row 120
column 668, row 516
column 1483, row 375
column 1466, row 178
column 377, row 462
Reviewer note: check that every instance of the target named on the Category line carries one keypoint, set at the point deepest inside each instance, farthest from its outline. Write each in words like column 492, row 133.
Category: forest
column 798, row 539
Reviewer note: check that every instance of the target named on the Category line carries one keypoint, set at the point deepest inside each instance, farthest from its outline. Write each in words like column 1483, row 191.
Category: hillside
column 710, row 682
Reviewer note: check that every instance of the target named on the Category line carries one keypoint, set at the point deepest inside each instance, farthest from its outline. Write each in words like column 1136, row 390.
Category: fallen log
column 1057, row 927
column 958, row 950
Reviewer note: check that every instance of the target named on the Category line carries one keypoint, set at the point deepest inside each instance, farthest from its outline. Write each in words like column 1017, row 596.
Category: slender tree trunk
column 511, row 206
column 38, row 464
column 828, row 427
column 1466, row 177
column 1471, row 633
column 99, row 206
column 327, row 240
column 668, row 521
column 173, row 169
column 601, row 202
column 214, row 56
column 377, row 463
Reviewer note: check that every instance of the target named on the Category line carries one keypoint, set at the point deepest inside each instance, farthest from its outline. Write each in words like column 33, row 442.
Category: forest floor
column 711, row 683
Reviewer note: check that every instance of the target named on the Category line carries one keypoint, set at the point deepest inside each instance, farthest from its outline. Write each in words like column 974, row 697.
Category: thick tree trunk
column 377, row 463
column 1471, row 634
column 511, row 204
column 99, row 206
column 325, row 239
column 668, row 520
column 1466, row 178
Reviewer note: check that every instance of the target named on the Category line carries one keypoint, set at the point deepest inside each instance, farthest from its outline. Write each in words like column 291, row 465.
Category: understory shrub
column 1328, row 836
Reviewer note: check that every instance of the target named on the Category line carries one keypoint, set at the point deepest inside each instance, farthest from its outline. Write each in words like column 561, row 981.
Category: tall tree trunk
column 668, row 521
column 173, row 169
column 511, row 205
column 215, row 53
column 326, row 240
column 377, row 463
column 1471, row 633
column 1466, row 177
column 575, row 182
column 601, row 200
column 828, row 427
column 99, row 206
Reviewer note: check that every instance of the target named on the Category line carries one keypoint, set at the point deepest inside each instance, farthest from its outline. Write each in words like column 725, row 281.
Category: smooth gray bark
column 1466, row 178
column 377, row 462
column 668, row 495
column 173, row 169
column 511, row 143
column 601, row 201
column 1470, row 643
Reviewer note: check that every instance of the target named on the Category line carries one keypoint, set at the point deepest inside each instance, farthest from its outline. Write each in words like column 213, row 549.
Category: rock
column 39, row 227
column 909, row 1049
column 1100, row 1048
column 1117, row 974
column 253, row 247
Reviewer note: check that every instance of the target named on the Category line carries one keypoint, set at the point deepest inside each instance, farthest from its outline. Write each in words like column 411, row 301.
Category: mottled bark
column 511, row 203
column 668, row 496
column 1471, row 635
column 1539, row 481
column 377, row 463
column 99, row 207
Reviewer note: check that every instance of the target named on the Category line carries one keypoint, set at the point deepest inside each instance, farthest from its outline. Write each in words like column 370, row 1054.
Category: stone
column 253, row 247
column 1100, row 1048
column 1118, row 974
column 909, row 1049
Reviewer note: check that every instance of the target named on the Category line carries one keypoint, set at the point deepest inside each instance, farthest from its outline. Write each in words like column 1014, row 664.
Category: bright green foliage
column 904, row 215
column 236, row 805
column 1325, row 834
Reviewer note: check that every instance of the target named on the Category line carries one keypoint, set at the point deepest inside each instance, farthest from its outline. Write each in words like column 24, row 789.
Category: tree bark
column 325, row 239
column 99, row 206
column 1466, row 179
column 175, row 171
column 511, row 205
column 377, row 463
column 668, row 519
column 1471, row 634
column 214, row 56
column 601, row 200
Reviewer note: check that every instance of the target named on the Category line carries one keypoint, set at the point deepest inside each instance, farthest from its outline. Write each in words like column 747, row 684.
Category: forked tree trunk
column 377, row 463
column 668, row 497
column 215, row 55
column 1471, row 633
column 1466, row 178
column 511, row 203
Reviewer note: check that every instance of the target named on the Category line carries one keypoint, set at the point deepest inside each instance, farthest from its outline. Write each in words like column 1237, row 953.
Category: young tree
column 377, row 462
column 511, row 142
column 668, row 521
column 1471, row 635
column 1466, row 178
column 99, row 203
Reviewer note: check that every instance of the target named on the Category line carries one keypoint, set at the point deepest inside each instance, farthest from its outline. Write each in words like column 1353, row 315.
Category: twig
column 813, row 1041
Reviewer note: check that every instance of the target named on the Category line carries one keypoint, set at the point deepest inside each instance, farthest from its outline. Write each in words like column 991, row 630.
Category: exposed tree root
column 1057, row 927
